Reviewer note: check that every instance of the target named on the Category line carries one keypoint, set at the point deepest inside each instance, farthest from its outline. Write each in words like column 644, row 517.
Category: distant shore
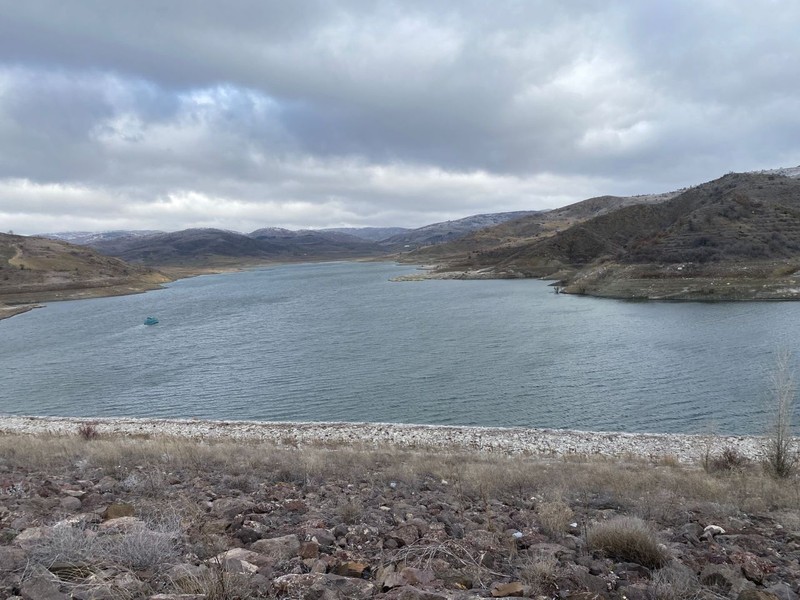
column 12, row 304
column 684, row 448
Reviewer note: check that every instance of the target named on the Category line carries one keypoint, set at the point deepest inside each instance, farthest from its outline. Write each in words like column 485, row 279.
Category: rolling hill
column 35, row 269
column 735, row 237
column 210, row 248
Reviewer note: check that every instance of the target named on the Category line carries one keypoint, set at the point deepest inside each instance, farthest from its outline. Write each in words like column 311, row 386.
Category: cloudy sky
column 144, row 114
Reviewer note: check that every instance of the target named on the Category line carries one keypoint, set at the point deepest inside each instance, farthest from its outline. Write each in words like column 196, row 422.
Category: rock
column 260, row 560
column 351, row 569
column 750, row 565
column 279, row 548
column 42, row 586
column 247, row 535
column 782, row 591
column 404, row 535
column 321, row 536
column 724, row 579
column 309, row 550
column 107, row 484
column 31, row 537
column 11, row 559
column 118, row 510
column 231, row 507
column 70, row 504
column 417, row 577
column 412, row 593
column 313, row 586
column 710, row 531
column 122, row 525
column 506, row 590
column 753, row 594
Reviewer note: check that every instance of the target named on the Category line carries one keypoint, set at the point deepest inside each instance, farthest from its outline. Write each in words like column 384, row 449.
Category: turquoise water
column 340, row 342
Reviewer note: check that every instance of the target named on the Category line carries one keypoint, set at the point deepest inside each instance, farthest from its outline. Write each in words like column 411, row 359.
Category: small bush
column 88, row 431
column 729, row 460
column 781, row 446
column 540, row 572
column 674, row 582
column 554, row 518
column 628, row 539
column 350, row 511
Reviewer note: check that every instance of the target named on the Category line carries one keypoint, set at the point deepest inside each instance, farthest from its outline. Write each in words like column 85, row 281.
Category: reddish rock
column 506, row 590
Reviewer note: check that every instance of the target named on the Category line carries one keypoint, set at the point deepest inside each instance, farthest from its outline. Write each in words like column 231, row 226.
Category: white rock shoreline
column 553, row 443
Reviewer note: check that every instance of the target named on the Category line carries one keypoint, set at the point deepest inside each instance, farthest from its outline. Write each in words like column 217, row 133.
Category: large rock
column 118, row 510
column 753, row 594
column 42, row 586
column 279, row 548
column 11, row 559
column 70, row 504
column 316, row 586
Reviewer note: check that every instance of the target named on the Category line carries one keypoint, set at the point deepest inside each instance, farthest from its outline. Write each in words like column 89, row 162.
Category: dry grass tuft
column 554, row 517
column 628, row 539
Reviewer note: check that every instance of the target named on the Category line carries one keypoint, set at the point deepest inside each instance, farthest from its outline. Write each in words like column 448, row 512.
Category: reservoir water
column 340, row 342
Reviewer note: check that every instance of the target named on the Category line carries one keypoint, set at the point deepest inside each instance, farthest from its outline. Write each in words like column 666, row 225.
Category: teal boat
column 151, row 321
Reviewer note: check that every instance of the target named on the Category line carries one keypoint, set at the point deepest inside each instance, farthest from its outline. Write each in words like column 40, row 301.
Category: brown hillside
column 529, row 229
column 36, row 269
column 737, row 217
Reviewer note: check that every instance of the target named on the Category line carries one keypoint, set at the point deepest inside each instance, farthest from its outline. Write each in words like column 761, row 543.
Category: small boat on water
column 151, row 321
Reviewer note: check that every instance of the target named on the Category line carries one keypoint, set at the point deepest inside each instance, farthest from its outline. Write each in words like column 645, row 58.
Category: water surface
column 340, row 342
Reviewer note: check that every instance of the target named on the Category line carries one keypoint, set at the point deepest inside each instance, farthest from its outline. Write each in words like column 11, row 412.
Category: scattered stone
column 279, row 548
column 754, row 594
column 506, row 590
column 330, row 587
column 70, row 504
column 710, row 531
column 118, row 510
column 351, row 569
column 42, row 586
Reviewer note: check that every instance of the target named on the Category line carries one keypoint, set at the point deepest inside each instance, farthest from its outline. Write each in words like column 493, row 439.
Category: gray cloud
column 249, row 113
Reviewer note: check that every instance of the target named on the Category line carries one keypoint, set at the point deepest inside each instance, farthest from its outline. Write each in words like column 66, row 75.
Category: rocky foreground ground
column 127, row 509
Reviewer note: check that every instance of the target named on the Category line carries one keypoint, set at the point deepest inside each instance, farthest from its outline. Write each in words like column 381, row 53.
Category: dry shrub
column 674, row 582
column 350, row 512
column 88, row 431
column 540, row 572
column 147, row 546
column 554, row 517
column 730, row 459
column 215, row 582
column 628, row 539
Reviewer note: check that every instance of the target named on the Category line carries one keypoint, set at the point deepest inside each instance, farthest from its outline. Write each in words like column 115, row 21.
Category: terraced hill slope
column 732, row 238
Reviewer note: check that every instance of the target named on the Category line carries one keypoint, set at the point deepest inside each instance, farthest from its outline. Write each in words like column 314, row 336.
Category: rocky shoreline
column 684, row 448
column 165, row 509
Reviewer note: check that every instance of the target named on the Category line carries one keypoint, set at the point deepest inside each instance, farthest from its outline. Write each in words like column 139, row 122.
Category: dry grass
column 658, row 493
column 628, row 539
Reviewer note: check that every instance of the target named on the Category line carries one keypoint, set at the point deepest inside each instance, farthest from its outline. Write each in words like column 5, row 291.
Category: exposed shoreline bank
column 685, row 448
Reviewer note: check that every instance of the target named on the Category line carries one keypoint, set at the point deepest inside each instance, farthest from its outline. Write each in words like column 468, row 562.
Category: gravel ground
column 539, row 442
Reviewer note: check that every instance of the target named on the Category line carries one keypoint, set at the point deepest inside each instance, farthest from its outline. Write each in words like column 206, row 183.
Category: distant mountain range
column 735, row 237
column 216, row 247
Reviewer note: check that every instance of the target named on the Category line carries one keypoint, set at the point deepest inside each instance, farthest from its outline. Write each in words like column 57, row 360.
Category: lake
column 340, row 342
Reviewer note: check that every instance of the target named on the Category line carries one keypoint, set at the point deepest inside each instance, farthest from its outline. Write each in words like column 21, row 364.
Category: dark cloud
column 309, row 113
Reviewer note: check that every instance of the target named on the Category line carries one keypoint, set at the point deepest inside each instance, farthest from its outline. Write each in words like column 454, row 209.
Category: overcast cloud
column 144, row 114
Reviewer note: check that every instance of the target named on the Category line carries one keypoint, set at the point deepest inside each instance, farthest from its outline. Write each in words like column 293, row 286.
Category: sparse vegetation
column 781, row 446
column 628, row 539
column 88, row 431
column 460, row 518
